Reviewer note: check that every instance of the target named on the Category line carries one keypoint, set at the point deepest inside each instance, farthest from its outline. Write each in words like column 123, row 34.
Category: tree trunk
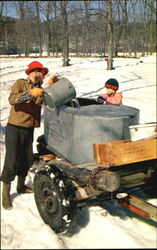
column 110, row 35
column 98, row 179
column 23, row 23
column 118, row 33
column 1, row 8
column 65, row 47
column 48, row 28
column 56, row 40
column 39, row 28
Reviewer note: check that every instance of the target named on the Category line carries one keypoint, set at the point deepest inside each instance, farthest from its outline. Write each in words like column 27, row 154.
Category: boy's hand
column 101, row 100
column 52, row 80
column 36, row 92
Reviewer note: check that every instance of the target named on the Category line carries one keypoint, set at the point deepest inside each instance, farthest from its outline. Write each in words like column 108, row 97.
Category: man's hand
column 36, row 92
column 52, row 80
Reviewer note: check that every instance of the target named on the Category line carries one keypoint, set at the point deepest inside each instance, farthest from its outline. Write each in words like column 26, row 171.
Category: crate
column 125, row 151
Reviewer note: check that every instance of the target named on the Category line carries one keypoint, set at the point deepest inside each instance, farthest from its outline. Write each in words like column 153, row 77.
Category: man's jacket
column 27, row 113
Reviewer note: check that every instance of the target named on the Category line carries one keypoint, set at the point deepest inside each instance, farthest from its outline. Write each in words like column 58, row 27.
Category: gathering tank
column 71, row 130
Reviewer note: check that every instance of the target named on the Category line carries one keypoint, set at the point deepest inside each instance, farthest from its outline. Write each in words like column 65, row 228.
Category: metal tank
column 71, row 131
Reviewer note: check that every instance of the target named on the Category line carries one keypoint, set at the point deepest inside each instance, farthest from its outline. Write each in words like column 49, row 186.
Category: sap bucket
column 143, row 131
column 59, row 93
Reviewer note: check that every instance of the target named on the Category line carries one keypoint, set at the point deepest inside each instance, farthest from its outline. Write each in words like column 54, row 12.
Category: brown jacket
column 27, row 113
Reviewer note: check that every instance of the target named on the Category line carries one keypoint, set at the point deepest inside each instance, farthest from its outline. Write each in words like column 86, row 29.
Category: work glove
column 100, row 100
column 52, row 80
column 35, row 92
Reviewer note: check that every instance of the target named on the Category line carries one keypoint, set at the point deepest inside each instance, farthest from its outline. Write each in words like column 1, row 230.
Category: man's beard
column 37, row 81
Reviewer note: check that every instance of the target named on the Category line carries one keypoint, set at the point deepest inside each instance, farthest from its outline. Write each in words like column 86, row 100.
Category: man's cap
column 36, row 65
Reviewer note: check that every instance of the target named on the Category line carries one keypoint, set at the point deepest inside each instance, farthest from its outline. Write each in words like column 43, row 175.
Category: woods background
column 78, row 28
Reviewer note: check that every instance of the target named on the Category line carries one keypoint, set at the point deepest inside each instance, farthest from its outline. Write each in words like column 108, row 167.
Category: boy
column 112, row 96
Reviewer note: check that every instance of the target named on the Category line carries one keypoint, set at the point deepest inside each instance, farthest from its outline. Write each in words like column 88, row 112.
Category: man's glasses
column 36, row 69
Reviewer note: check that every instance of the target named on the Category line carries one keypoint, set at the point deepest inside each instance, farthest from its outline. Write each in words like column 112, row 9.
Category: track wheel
column 54, row 199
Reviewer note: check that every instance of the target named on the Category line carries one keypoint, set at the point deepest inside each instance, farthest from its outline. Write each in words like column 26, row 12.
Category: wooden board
column 125, row 151
column 139, row 206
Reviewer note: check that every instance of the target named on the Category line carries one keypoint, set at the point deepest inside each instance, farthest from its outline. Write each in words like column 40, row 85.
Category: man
column 25, row 100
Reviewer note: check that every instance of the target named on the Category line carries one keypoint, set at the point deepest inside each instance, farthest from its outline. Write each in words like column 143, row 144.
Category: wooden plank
column 125, row 151
column 139, row 206
column 48, row 157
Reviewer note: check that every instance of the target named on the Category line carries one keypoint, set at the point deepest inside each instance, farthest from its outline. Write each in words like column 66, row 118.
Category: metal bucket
column 143, row 131
column 59, row 93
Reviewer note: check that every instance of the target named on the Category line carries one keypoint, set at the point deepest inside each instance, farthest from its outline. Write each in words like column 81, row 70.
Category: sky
column 108, row 225
column 9, row 8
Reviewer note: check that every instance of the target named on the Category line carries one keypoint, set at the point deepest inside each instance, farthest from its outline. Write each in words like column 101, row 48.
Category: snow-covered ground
column 106, row 226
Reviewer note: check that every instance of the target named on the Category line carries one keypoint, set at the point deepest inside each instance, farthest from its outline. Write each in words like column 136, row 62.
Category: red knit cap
column 36, row 65
column 112, row 84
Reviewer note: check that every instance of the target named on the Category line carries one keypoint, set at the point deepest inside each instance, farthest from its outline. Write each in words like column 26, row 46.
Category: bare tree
column 23, row 27
column 48, row 16
column 39, row 28
column 56, row 30
column 101, row 29
column 151, row 15
column 87, row 28
column 48, row 9
column 1, row 8
column 118, row 29
column 110, row 35
column 65, row 47
column 80, row 27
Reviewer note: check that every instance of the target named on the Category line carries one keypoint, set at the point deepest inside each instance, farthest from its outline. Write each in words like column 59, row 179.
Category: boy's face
column 110, row 91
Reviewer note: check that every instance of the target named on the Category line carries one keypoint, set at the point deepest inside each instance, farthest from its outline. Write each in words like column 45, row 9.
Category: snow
column 108, row 225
